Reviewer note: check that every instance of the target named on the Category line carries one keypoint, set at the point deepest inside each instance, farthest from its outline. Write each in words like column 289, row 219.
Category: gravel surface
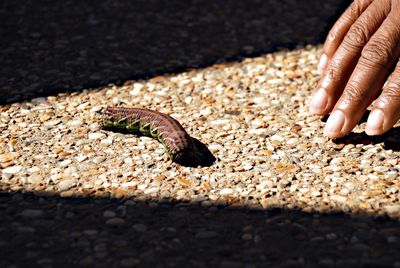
column 252, row 115
column 271, row 193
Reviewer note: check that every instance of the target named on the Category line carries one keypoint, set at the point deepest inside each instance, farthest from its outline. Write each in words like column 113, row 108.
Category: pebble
column 109, row 214
column 34, row 169
column 393, row 209
column 52, row 123
column 32, row 213
column 206, row 234
column 35, row 179
column 226, row 191
column 129, row 184
column 96, row 136
column 99, row 159
column 65, row 163
column 381, row 169
column 139, row 227
column 81, row 158
column 9, row 156
column 66, row 184
column 115, row 221
column 12, row 170
column 247, row 237
column 259, row 131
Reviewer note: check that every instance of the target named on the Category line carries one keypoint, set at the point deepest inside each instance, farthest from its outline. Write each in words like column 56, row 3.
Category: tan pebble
column 96, row 135
column 35, row 179
column 160, row 177
column 392, row 210
column 205, row 185
column 226, row 191
column 118, row 193
column 65, row 163
column 380, row 169
column 12, row 170
column 9, row 156
column 34, row 169
column 339, row 198
column 67, row 193
column 7, row 164
column 270, row 202
column 183, row 181
column 44, row 117
column 303, row 146
column 13, row 142
column 64, row 153
column 259, row 131
column 52, row 123
column 65, row 184
column 81, row 158
column 152, row 190
column 129, row 184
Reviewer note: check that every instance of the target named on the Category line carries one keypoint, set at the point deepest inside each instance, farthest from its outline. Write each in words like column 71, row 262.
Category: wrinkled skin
column 359, row 66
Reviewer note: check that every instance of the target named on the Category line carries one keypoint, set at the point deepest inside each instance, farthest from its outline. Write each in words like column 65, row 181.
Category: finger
column 371, row 72
column 332, row 83
column 340, row 29
column 386, row 110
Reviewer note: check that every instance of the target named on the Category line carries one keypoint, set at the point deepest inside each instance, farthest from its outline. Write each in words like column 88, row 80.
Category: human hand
column 359, row 65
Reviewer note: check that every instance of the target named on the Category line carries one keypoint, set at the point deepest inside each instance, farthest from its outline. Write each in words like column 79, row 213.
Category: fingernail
column 375, row 123
column 334, row 124
column 322, row 63
column 319, row 102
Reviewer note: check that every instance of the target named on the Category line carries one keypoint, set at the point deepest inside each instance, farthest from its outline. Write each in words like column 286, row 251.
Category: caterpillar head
column 198, row 156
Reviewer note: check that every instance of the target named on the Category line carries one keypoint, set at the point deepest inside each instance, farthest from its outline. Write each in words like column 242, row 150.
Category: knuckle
column 355, row 8
column 356, row 37
column 390, row 94
column 335, row 67
column 332, row 75
column 376, row 52
column 353, row 94
column 332, row 35
column 393, row 22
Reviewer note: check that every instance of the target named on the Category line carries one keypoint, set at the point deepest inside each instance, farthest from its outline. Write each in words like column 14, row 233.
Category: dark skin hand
column 360, row 65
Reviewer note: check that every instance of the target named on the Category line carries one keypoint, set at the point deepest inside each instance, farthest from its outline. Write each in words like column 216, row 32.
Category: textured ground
column 254, row 118
column 279, row 194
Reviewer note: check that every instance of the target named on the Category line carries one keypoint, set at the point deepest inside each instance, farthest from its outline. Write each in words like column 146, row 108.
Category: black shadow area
column 49, row 46
column 87, row 232
column 390, row 140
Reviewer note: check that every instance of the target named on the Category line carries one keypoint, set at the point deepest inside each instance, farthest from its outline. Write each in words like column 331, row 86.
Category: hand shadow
column 390, row 140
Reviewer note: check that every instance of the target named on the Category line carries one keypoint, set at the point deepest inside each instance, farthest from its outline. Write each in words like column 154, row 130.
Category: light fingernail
column 319, row 102
column 335, row 124
column 375, row 123
column 322, row 63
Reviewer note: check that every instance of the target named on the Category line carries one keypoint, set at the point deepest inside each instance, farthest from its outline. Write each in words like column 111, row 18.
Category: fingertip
column 319, row 102
column 375, row 123
column 335, row 124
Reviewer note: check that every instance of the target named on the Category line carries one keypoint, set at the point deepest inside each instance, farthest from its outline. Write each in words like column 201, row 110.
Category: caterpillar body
column 181, row 148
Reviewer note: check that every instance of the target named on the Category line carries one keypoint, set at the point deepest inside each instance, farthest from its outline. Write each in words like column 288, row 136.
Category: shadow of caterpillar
column 182, row 149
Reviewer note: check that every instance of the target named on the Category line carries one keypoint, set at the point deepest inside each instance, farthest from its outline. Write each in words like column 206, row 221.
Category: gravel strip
column 252, row 115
